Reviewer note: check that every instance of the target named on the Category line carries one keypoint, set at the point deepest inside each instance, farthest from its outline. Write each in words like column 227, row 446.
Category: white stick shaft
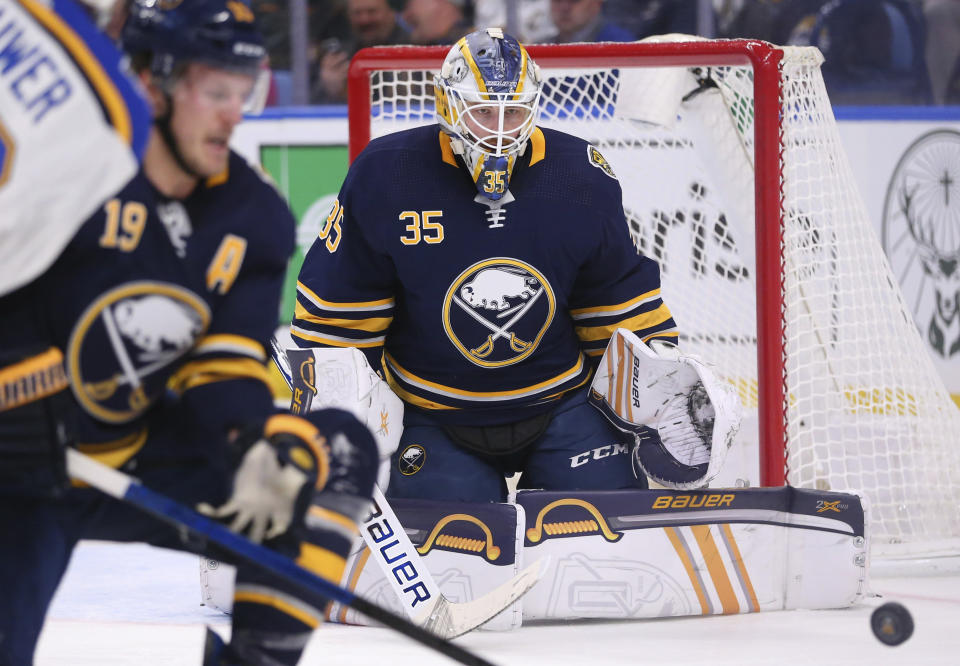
column 97, row 474
column 393, row 551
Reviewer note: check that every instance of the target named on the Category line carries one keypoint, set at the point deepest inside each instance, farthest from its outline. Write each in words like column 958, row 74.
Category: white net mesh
column 864, row 409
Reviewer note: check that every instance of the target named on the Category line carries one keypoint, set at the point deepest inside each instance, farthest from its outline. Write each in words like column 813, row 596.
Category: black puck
column 892, row 623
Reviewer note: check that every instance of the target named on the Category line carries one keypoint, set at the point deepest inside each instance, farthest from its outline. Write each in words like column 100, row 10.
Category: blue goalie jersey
column 479, row 313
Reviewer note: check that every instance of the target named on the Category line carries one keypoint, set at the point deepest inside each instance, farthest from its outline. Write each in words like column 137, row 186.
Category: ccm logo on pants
column 597, row 454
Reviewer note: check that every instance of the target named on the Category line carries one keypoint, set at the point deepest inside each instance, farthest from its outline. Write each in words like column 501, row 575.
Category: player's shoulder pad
column 251, row 183
column 138, row 189
column 261, row 210
column 416, row 149
column 417, row 139
column 576, row 153
column 395, row 164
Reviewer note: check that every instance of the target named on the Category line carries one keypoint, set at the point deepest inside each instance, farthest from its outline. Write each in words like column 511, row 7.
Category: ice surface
column 132, row 604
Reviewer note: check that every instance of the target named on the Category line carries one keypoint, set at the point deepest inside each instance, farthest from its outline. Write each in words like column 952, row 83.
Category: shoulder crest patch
column 599, row 161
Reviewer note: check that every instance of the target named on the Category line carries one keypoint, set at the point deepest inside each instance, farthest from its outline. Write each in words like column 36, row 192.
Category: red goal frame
column 765, row 60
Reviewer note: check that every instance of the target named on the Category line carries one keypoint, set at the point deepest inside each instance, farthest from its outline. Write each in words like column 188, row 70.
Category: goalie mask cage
column 735, row 181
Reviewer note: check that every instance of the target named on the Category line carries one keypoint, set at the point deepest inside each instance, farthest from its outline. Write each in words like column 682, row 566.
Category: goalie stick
column 123, row 487
column 406, row 572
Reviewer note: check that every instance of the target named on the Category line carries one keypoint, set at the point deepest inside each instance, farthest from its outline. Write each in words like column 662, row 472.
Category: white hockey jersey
column 72, row 127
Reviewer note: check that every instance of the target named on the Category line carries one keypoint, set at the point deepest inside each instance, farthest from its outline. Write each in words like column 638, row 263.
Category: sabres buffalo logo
column 496, row 312
column 411, row 460
column 123, row 348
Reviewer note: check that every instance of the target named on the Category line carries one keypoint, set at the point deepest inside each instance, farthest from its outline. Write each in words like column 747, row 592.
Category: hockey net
column 735, row 180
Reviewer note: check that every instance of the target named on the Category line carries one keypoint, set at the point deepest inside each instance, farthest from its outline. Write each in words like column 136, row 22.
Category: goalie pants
column 579, row 450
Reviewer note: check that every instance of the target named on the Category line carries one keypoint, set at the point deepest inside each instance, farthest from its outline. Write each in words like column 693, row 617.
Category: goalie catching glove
column 282, row 464
column 683, row 418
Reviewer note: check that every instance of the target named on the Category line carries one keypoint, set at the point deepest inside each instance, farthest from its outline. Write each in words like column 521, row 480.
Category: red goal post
column 770, row 264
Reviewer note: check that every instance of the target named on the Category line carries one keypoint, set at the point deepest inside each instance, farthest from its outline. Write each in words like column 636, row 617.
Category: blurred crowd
column 899, row 52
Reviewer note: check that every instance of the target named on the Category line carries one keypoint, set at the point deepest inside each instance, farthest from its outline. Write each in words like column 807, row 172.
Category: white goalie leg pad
column 468, row 548
column 216, row 584
column 342, row 378
column 696, row 416
column 664, row 553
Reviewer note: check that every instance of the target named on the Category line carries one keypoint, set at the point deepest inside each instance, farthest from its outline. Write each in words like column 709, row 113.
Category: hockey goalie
column 496, row 290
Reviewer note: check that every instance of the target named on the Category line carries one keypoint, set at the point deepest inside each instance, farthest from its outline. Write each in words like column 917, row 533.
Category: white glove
column 264, row 494
column 290, row 454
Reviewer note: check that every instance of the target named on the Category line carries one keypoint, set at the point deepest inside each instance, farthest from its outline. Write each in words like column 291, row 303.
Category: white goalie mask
column 488, row 95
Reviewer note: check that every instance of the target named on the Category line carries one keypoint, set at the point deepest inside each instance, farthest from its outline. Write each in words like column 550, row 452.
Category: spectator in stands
column 873, row 49
column 943, row 49
column 530, row 25
column 771, row 20
column 644, row 18
column 437, row 22
column 583, row 21
column 325, row 17
column 873, row 52
column 372, row 23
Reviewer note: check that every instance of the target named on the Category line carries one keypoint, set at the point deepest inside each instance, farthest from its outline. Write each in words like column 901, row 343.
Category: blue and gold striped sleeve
column 219, row 358
column 319, row 322
column 345, row 292
column 618, row 288
column 646, row 315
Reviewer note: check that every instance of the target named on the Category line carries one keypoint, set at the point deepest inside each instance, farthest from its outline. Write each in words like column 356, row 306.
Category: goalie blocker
column 683, row 418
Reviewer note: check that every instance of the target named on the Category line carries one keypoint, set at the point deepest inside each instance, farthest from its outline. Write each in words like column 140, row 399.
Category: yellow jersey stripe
column 218, row 178
column 114, row 453
column 371, row 324
column 333, row 341
column 381, row 304
column 322, row 561
column 426, row 384
column 235, row 344
column 608, row 310
column 198, row 373
column 338, row 519
column 446, row 150
column 32, row 379
column 669, row 333
column 538, row 146
column 637, row 323
column 406, row 396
